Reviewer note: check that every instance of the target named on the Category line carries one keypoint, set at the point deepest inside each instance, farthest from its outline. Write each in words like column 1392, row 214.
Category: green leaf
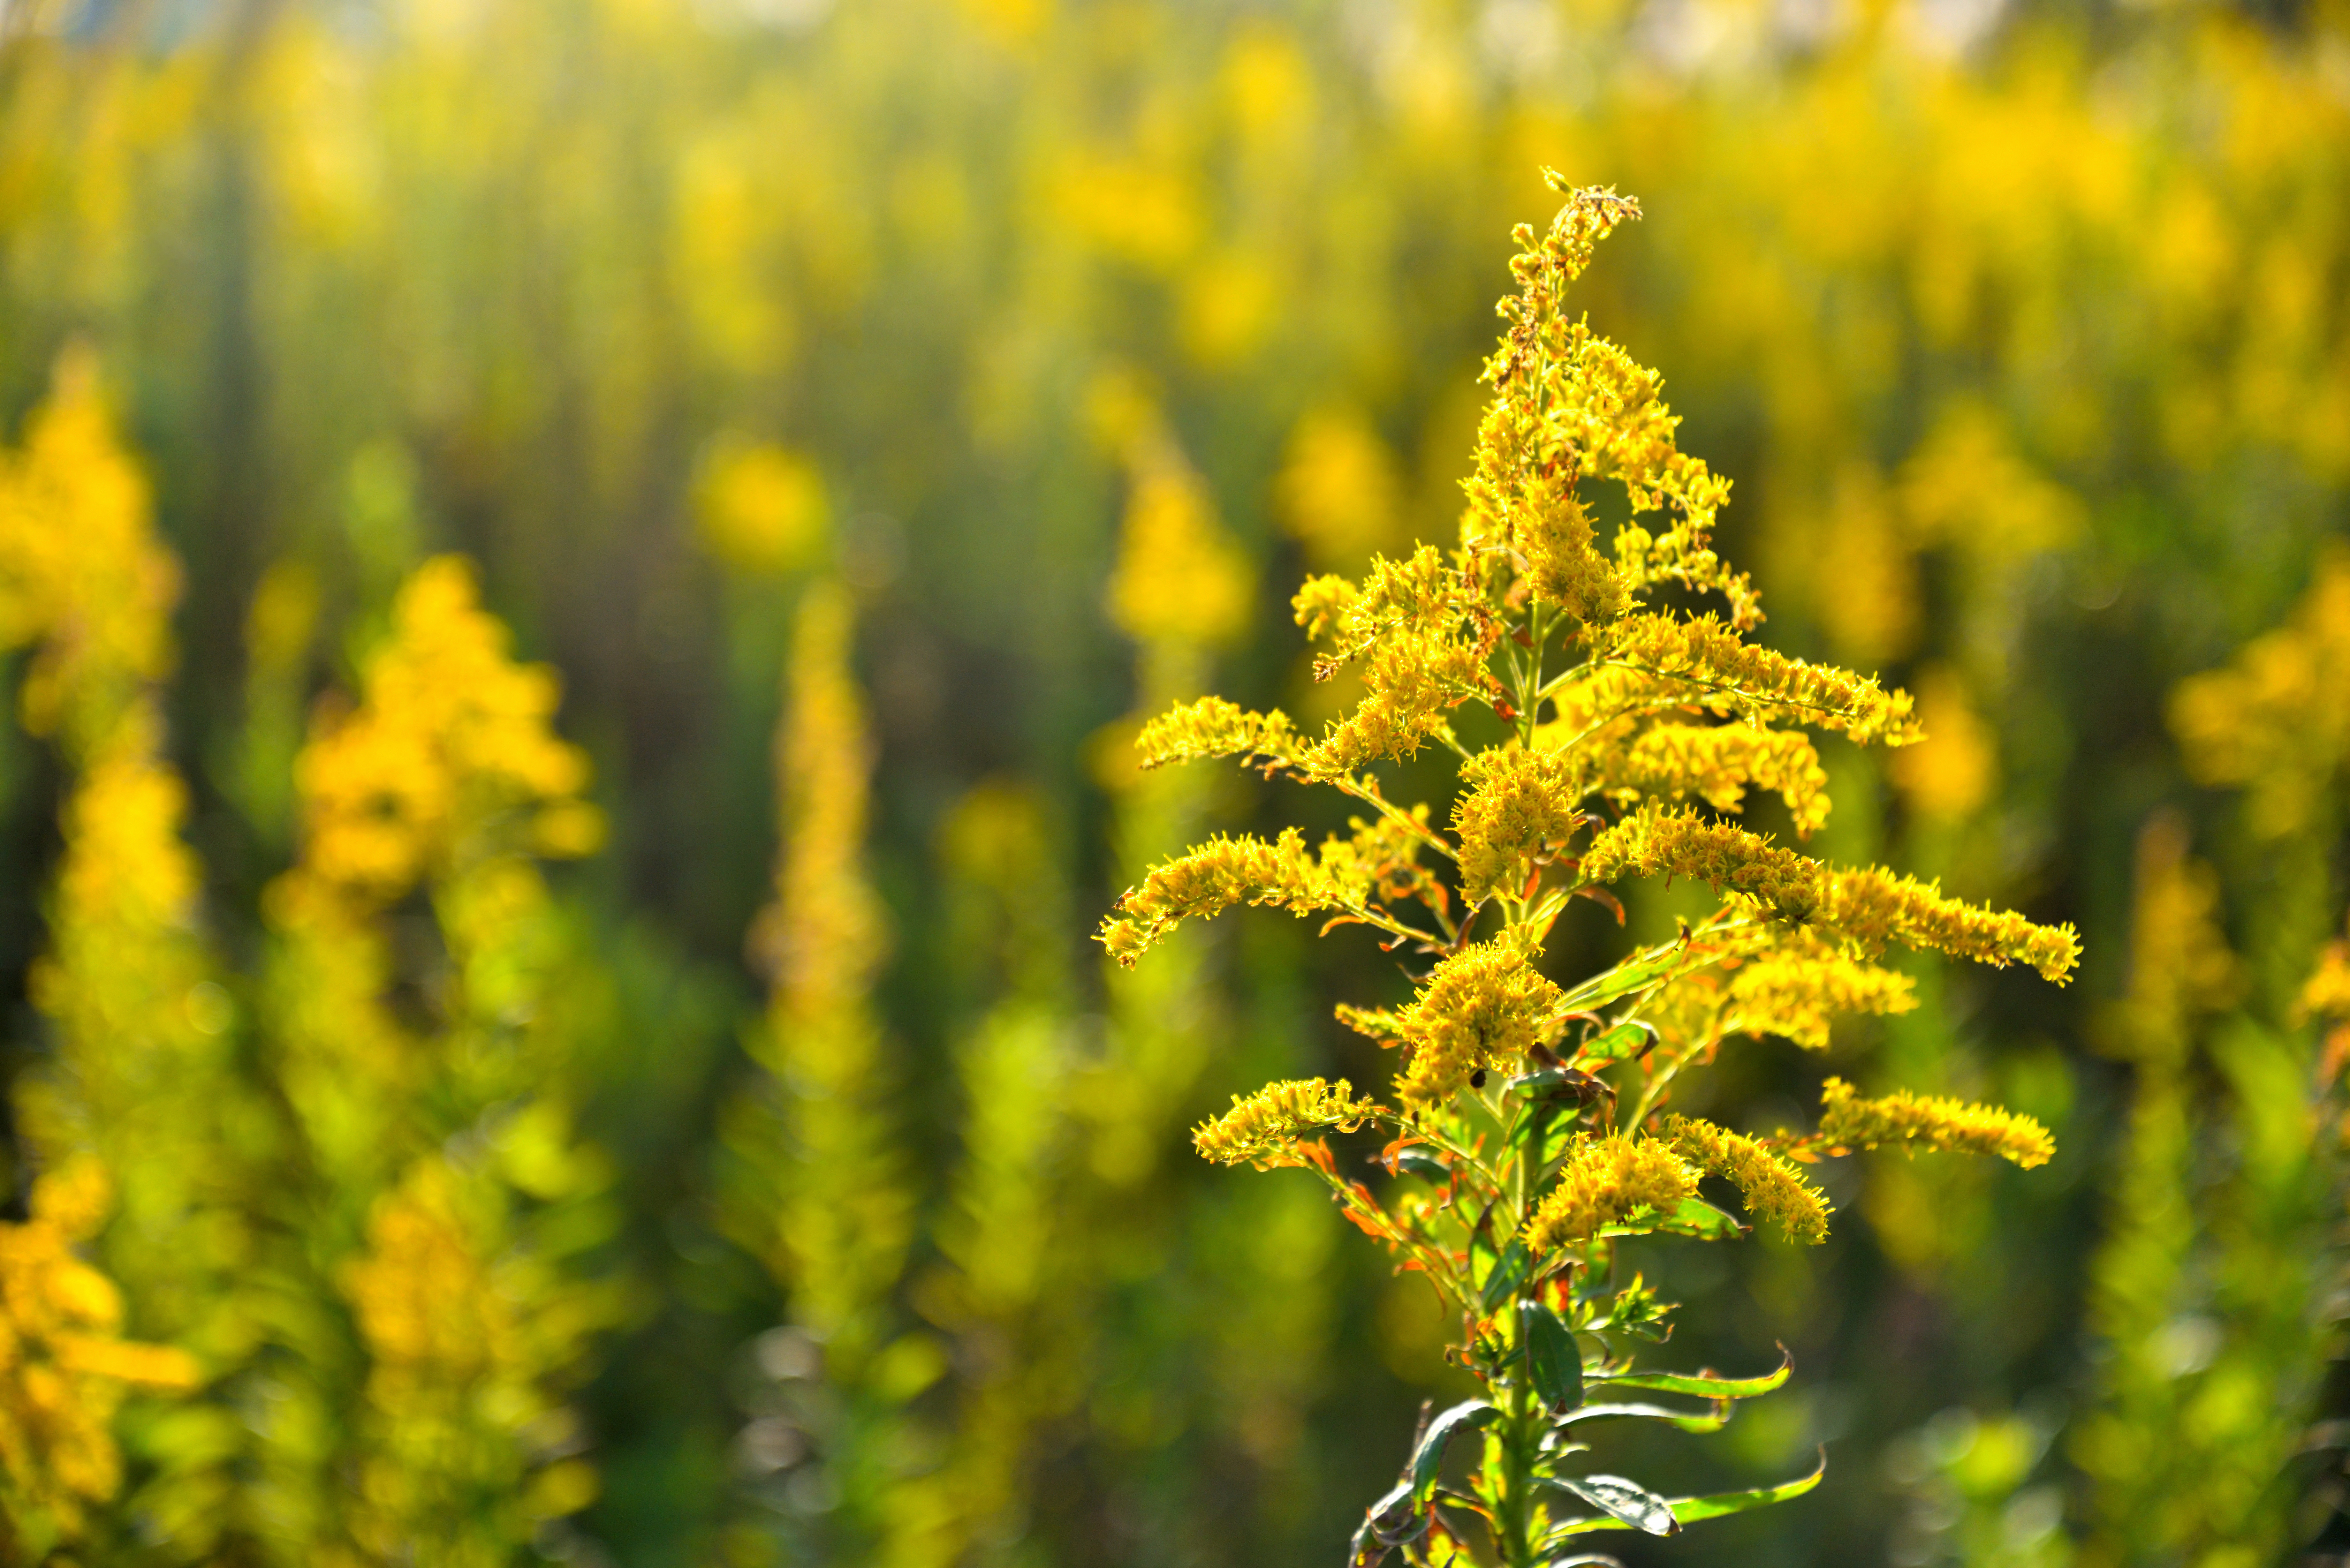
column 1704, row 1384
column 1686, row 1420
column 1553, row 1362
column 1634, row 1505
column 1496, row 1269
column 1698, row 1218
column 1583, row 1560
column 1621, row 1044
column 1429, row 1462
column 1625, row 979
column 1690, row 1510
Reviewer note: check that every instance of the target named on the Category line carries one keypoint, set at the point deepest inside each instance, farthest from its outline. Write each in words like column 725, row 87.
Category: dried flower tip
column 1484, row 1006
column 1263, row 1128
column 1936, row 1122
column 1607, row 1182
column 1773, row 1189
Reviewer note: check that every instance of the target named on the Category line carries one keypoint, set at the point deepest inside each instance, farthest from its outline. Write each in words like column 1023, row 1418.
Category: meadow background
column 692, row 1126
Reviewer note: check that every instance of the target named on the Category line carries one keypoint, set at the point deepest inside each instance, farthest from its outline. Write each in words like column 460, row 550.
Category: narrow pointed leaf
column 1690, row 1510
column 1686, row 1420
column 1633, row 1504
column 1583, row 1560
column 1696, row 1217
column 1621, row 1044
column 1705, row 1384
column 1553, row 1362
column 1428, row 1463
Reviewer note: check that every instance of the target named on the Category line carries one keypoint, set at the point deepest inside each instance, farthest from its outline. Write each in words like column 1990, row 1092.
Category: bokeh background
column 868, row 412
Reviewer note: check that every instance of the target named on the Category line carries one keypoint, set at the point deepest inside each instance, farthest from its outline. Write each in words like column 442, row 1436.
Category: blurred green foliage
column 2023, row 332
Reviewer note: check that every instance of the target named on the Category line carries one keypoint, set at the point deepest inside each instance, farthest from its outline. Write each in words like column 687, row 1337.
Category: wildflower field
column 707, row 709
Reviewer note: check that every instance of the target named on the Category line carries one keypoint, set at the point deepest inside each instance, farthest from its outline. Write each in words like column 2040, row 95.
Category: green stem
column 1513, row 1507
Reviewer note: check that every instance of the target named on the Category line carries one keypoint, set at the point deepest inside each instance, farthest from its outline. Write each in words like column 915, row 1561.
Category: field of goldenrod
column 579, row 584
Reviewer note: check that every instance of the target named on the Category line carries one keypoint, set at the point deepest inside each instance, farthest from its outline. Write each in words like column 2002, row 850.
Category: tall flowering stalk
column 1604, row 733
column 126, row 1117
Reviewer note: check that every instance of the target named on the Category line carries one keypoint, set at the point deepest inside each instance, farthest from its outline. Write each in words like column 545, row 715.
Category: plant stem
column 1514, row 1510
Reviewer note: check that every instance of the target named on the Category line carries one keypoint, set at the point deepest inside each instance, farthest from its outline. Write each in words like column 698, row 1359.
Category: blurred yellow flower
column 1948, row 776
column 761, row 509
column 1339, row 492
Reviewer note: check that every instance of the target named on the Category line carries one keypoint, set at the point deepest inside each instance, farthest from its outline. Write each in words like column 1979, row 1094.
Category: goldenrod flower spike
column 1773, row 1189
column 1935, row 1122
column 1608, row 1181
column 1208, row 880
column 63, row 1372
column 1482, row 1008
column 1869, row 907
column 1529, row 1126
column 1711, row 663
column 1211, row 727
column 1799, row 994
column 1263, row 1128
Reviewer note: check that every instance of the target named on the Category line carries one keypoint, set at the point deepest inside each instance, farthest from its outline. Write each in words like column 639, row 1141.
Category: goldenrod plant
column 827, row 1206
column 132, row 1114
column 1604, row 733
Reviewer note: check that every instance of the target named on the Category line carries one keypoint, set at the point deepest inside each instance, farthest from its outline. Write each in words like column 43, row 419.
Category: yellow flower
column 63, row 1372
column 1484, row 1007
column 1520, row 807
column 2277, row 720
column 1773, row 1189
column 1338, row 491
column 452, row 740
column 1264, row 1127
column 1935, row 1122
column 1609, row 1181
column 1869, row 906
column 761, row 509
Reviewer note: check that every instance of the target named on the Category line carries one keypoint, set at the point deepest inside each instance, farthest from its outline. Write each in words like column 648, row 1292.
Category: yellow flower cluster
column 1797, row 993
column 1209, row 879
column 1773, row 1189
column 1423, row 638
column 1716, row 763
column 2327, row 992
column 62, row 1369
column 1935, row 1122
column 2277, row 720
column 1606, row 1182
column 1716, row 668
column 1484, row 1007
column 463, row 1334
column 1180, row 577
column 452, row 739
column 1519, row 808
column 81, row 570
column 1867, row 906
column 1570, row 405
column 1213, row 727
column 1263, row 1128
